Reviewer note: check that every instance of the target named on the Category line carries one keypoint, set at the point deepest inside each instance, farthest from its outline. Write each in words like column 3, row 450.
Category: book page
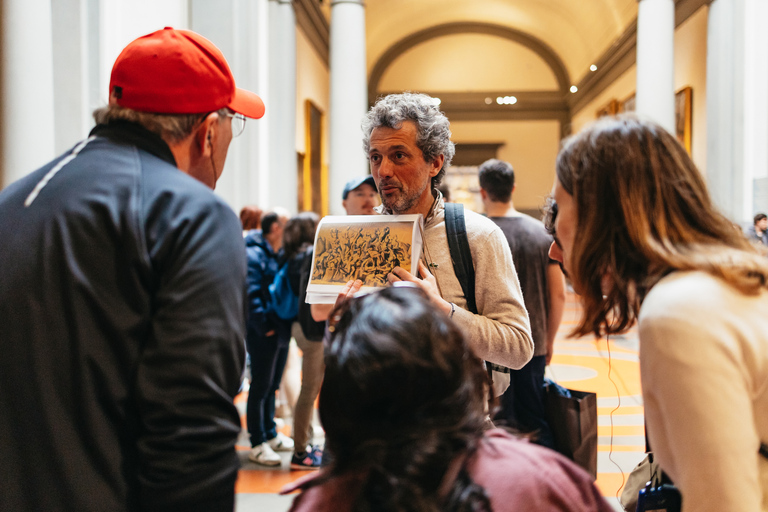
column 365, row 247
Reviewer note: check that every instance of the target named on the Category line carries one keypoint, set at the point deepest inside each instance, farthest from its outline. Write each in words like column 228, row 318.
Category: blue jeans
column 268, row 356
column 522, row 404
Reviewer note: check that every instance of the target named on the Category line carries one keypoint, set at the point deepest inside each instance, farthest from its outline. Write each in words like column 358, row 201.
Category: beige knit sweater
column 501, row 332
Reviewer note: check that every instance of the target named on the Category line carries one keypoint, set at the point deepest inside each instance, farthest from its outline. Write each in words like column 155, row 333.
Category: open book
column 365, row 247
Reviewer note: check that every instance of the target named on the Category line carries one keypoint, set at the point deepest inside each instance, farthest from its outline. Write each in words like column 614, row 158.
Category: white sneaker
column 264, row 454
column 281, row 443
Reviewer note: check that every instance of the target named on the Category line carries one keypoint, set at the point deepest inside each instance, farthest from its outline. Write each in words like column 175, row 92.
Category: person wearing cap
column 360, row 196
column 122, row 298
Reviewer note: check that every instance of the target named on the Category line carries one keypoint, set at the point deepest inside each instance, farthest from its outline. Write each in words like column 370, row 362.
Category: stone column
column 281, row 112
column 240, row 29
column 737, row 108
column 74, row 22
column 755, row 108
column 27, row 107
column 655, row 97
column 349, row 100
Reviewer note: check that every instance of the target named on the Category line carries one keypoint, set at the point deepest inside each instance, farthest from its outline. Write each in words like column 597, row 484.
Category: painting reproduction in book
column 364, row 247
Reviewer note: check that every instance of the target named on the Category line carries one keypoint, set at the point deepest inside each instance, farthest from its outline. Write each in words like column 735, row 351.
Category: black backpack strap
column 458, row 244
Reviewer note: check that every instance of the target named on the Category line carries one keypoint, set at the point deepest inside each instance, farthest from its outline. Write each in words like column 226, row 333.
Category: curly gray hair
column 434, row 133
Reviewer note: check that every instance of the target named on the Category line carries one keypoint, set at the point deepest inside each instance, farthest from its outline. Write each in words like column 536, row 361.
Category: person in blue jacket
column 268, row 338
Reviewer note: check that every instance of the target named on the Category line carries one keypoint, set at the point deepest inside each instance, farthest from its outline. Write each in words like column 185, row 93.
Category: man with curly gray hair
column 433, row 136
column 408, row 143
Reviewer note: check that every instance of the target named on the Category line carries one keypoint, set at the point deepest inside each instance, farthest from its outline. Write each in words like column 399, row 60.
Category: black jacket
column 122, row 302
column 312, row 330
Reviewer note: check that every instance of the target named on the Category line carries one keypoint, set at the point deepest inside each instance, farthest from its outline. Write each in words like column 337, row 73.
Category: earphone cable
column 618, row 405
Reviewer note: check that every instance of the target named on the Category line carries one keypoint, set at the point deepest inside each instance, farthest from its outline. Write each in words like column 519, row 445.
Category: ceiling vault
column 398, row 48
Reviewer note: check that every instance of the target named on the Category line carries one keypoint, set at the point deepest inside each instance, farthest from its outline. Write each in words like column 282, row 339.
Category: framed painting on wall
column 683, row 114
column 312, row 191
column 628, row 105
column 609, row 109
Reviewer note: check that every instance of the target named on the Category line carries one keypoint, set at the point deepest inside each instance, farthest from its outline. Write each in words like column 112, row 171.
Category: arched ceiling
column 463, row 28
column 568, row 35
column 577, row 31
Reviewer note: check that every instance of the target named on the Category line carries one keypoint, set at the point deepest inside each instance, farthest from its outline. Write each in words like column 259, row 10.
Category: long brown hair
column 643, row 210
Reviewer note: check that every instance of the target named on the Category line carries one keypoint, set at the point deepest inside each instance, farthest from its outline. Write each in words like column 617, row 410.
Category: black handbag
column 572, row 416
column 649, row 489
column 658, row 493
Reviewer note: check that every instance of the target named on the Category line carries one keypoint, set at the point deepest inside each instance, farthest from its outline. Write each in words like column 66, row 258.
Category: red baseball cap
column 178, row 72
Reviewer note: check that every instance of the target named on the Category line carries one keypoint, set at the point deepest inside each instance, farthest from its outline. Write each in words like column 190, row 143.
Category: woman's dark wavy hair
column 643, row 210
column 403, row 396
column 299, row 232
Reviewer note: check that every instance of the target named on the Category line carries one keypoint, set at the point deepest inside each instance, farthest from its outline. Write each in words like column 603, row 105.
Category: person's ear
column 483, row 194
column 206, row 134
column 437, row 164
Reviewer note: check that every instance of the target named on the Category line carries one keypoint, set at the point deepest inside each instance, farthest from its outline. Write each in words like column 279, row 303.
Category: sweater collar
column 437, row 206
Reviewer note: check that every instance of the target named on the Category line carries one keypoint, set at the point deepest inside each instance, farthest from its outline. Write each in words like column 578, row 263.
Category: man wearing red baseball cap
column 122, row 298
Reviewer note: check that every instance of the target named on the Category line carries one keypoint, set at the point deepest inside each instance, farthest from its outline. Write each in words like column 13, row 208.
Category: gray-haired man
column 408, row 143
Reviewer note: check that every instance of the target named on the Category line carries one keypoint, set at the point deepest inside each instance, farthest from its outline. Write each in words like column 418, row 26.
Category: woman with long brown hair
column 641, row 240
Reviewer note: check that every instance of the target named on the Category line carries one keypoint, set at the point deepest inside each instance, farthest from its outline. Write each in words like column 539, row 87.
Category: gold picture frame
column 683, row 115
column 628, row 105
column 609, row 109
column 313, row 173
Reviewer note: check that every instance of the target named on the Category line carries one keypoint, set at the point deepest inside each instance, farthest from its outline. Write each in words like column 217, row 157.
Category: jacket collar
column 134, row 134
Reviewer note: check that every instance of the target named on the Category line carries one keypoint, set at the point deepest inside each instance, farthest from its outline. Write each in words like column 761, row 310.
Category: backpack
column 284, row 301
column 463, row 267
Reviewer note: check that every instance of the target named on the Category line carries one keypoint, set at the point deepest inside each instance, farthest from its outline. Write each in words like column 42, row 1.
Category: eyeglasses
column 238, row 124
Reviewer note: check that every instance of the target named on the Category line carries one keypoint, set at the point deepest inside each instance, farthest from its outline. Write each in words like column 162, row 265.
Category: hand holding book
column 427, row 283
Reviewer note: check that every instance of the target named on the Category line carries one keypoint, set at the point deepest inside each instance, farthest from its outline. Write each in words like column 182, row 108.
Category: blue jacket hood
column 255, row 238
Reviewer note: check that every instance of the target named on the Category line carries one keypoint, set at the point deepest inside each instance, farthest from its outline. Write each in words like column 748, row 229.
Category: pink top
column 516, row 475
